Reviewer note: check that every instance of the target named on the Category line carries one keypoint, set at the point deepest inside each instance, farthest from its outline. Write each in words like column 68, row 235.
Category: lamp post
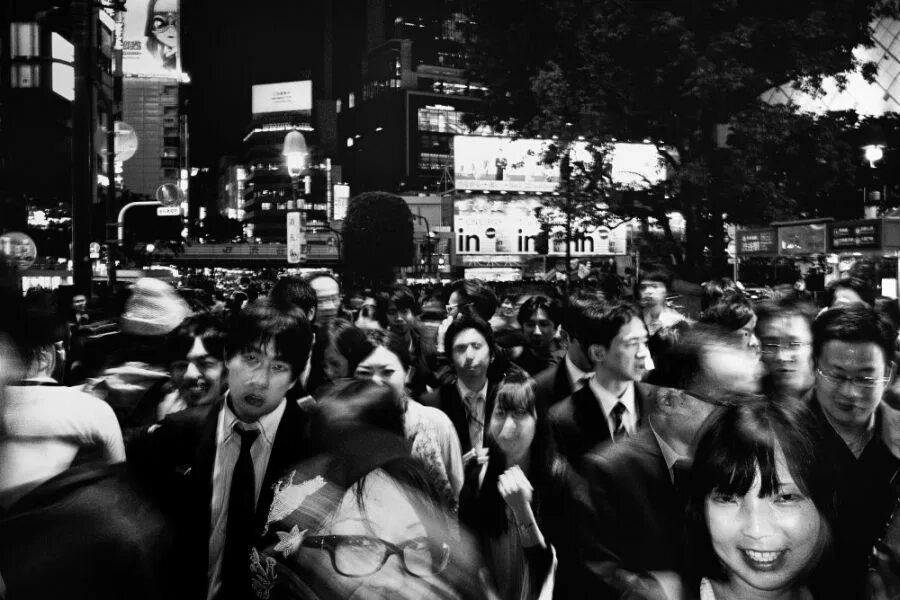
column 295, row 154
column 872, row 198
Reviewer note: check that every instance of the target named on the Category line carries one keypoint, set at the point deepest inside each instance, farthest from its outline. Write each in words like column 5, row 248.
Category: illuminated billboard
column 288, row 96
column 63, row 53
column 502, row 226
column 151, row 41
column 502, row 164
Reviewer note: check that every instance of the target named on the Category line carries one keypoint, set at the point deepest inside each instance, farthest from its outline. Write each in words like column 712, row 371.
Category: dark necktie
column 239, row 528
column 681, row 478
column 618, row 419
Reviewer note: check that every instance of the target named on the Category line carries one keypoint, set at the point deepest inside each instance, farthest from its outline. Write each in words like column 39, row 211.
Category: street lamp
column 873, row 198
column 873, row 153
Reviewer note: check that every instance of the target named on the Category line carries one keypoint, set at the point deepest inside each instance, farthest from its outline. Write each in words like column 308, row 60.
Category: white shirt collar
column 464, row 391
column 267, row 424
column 669, row 455
column 575, row 374
column 608, row 401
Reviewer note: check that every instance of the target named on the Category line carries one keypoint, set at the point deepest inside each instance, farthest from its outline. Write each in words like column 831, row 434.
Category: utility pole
column 84, row 16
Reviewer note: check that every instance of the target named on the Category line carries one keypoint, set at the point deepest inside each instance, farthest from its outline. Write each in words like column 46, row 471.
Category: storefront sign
column 802, row 240
column 756, row 241
column 855, row 235
column 296, row 242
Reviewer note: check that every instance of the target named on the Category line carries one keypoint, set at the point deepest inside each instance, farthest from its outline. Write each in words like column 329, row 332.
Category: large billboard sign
column 502, row 164
column 802, row 240
column 151, row 39
column 501, row 226
column 288, row 96
column 757, row 242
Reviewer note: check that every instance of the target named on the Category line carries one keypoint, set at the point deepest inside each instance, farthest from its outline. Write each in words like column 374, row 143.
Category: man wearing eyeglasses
column 852, row 349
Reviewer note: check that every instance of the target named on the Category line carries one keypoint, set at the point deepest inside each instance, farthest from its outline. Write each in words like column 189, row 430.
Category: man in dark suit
column 561, row 380
column 216, row 465
column 612, row 405
column 468, row 398
column 637, row 488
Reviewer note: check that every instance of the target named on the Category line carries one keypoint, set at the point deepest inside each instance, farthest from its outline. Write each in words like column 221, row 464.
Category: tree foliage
column 377, row 236
column 678, row 73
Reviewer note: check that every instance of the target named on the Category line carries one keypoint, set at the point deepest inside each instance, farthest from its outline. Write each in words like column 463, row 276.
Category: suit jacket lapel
column 589, row 417
column 452, row 403
column 204, row 459
column 562, row 387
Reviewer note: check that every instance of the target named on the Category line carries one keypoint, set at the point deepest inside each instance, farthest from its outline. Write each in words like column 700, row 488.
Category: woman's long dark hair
column 516, row 392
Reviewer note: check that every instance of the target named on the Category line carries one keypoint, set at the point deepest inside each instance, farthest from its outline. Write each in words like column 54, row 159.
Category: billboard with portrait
column 503, row 164
column 151, row 39
column 287, row 96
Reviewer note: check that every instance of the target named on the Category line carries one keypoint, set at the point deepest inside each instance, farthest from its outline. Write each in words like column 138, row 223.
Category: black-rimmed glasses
column 359, row 555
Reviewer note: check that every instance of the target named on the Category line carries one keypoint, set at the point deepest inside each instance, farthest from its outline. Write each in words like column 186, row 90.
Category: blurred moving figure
column 762, row 503
column 539, row 317
column 653, row 287
column 80, row 531
column 784, row 329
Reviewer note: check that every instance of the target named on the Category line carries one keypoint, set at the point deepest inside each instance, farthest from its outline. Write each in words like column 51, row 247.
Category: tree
column 675, row 73
column 377, row 237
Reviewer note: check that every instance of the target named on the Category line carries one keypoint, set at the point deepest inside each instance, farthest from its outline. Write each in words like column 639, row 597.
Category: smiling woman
column 761, row 503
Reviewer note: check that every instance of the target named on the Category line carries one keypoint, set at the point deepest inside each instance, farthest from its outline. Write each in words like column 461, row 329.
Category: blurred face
column 384, row 367
column 335, row 364
column 850, row 382
column 399, row 321
column 328, row 298
column 454, row 304
column 539, row 330
column 79, row 303
column 652, row 293
column 845, row 297
column 258, row 379
column 626, row 357
column 727, row 369
column 471, row 354
column 513, row 430
column 386, row 515
column 199, row 376
column 765, row 543
column 746, row 335
column 786, row 344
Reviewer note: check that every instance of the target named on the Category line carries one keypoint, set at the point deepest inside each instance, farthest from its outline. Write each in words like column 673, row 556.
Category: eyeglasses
column 163, row 21
column 359, row 555
column 793, row 347
column 860, row 382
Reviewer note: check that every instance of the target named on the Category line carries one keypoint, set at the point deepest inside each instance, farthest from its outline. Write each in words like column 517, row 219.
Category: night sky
column 229, row 46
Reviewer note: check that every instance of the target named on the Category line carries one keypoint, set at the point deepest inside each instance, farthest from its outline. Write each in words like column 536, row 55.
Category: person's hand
column 516, row 491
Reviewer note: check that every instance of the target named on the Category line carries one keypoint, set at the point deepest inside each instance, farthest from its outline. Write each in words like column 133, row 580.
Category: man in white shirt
column 228, row 455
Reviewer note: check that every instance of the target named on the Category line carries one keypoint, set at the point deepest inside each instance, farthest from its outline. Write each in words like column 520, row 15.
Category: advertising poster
column 502, row 164
column 287, row 96
column 802, row 240
column 489, row 226
column 855, row 235
column 151, row 40
column 756, row 242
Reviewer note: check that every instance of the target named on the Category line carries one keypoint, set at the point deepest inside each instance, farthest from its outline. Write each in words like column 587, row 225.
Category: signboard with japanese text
column 756, row 241
column 151, row 40
column 802, row 240
column 296, row 244
column 288, row 96
column 855, row 235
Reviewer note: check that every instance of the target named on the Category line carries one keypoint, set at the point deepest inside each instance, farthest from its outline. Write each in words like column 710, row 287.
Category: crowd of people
column 296, row 441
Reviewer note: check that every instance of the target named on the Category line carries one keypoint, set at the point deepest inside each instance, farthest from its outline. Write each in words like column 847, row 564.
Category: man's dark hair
column 468, row 320
column 404, row 299
column 714, row 290
column 680, row 364
column 658, row 275
column 731, row 312
column 294, row 290
column 476, row 293
column 551, row 306
column 602, row 324
column 854, row 324
column 862, row 288
column 262, row 322
column 579, row 305
column 208, row 327
column 43, row 326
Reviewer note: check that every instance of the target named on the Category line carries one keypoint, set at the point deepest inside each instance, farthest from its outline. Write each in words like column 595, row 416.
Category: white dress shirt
column 228, row 448
column 608, row 402
column 475, row 413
